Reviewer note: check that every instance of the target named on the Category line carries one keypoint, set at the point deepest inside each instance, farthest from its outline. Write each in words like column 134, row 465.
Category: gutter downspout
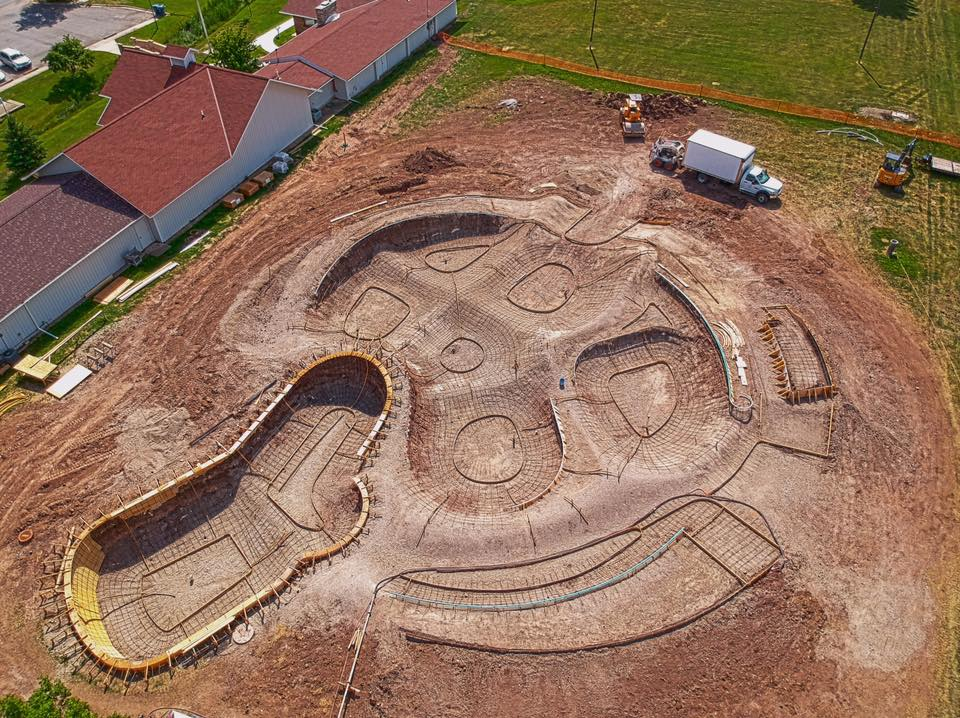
column 32, row 319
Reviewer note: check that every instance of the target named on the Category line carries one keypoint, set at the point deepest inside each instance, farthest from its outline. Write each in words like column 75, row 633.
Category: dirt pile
column 612, row 100
column 662, row 107
column 656, row 107
column 428, row 161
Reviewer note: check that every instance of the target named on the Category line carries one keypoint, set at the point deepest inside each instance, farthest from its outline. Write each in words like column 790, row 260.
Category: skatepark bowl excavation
column 158, row 577
column 543, row 348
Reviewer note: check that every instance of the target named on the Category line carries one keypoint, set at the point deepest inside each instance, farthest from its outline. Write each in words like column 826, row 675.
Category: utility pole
column 593, row 25
column 203, row 24
column 876, row 11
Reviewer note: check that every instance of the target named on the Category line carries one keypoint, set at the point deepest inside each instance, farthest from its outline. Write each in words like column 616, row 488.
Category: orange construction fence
column 700, row 90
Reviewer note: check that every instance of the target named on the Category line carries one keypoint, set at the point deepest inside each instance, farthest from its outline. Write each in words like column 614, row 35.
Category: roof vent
column 327, row 12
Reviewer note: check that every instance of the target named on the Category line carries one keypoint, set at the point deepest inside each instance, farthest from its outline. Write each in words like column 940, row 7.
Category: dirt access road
column 848, row 623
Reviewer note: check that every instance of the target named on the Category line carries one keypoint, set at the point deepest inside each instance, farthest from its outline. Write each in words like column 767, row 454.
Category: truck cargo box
column 718, row 156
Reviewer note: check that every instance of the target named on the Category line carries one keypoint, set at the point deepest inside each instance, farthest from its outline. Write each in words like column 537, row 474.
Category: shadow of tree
column 72, row 88
column 41, row 15
column 896, row 9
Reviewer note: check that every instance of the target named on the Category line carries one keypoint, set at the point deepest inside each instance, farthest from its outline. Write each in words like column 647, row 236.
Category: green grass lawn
column 60, row 120
column 802, row 51
column 285, row 36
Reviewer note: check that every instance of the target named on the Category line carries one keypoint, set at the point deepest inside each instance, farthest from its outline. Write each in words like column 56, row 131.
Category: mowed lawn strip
column 802, row 51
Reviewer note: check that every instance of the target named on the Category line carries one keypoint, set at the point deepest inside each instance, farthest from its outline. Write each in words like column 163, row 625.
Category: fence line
column 700, row 90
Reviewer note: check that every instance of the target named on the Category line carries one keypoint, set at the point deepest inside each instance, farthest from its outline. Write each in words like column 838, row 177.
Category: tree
column 233, row 47
column 24, row 150
column 69, row 56
column 50, row 700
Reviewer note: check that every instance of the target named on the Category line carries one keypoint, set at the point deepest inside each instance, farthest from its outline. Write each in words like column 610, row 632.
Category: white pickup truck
column 712, row 155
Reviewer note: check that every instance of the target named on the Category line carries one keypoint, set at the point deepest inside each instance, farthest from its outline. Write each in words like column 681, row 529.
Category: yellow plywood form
column 35, row 367
column 112, row 290
column 83, row 558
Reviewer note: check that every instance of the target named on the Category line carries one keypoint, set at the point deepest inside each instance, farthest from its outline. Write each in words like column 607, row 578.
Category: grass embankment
column 795, row 50
column 52, row 107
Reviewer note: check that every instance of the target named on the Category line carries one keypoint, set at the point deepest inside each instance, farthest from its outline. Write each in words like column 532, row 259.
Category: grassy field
column 49, row 108
column 802, row 51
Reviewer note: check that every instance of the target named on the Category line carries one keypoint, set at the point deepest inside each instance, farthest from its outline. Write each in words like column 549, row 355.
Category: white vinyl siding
column 70, row 288
column 446, row 16
column 362, row 80
column 15, row 329
column 395, row 55
column 322, row 96
column 282, row 116
column 58, row 166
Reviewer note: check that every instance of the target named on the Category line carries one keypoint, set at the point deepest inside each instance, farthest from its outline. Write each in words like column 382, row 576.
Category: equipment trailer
column 941, row 165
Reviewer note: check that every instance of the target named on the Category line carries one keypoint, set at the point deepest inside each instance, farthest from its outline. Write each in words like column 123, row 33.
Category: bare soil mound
column 429, row 161
column 656, row 107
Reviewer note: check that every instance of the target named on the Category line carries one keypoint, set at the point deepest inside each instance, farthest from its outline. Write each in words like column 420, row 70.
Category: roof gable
column 237, row 98
column 160, row 149
column 138, row 76
column 296, row 72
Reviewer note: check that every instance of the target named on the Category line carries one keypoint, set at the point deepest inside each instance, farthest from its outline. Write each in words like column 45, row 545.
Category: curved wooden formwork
column 800, row 368
column 84, row 557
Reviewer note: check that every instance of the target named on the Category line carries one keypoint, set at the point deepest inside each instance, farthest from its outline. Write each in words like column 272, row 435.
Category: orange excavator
column 896, row 168
column 631, row 117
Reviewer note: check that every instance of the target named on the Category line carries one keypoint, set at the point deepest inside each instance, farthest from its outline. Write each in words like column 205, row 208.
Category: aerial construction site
column 493, row 418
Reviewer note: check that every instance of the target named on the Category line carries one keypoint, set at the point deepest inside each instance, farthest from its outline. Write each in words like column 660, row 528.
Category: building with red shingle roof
column 143, row 70
column 354, row 47
column 176, row 154
column 148, row 173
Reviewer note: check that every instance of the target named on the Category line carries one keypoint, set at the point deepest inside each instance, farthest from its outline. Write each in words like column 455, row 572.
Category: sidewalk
column 265, row 40
column 110, row 45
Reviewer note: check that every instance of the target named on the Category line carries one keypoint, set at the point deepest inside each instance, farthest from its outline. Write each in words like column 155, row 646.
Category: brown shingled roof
column 138, row 76
column 48, row 226
column 164, row 146
column 296, row 73
column 358, row 37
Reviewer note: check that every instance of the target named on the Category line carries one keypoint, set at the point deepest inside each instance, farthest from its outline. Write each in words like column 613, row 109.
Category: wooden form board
column 35, row 367
column 146, row 281
column 112, row 290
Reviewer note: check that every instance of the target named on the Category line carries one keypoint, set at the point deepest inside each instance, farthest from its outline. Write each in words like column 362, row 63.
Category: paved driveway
column 33, row 28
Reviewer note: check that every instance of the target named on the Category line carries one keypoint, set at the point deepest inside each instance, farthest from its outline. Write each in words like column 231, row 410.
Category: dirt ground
column 849, row 622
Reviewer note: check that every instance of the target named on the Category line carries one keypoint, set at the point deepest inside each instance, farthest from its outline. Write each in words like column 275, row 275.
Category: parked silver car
column 15, row 60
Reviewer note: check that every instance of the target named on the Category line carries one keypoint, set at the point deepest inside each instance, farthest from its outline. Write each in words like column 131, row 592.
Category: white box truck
column 712, row 155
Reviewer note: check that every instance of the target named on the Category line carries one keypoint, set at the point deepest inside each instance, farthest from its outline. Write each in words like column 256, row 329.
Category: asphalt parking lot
column 33, row 27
